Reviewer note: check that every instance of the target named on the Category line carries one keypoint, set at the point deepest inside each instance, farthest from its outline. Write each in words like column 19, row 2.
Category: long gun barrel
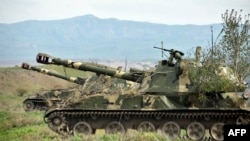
column 99, row 69
column 170, row 50
column 77, row 80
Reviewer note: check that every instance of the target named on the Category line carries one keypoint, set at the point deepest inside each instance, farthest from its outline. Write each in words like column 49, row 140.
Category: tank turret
column 166, row 100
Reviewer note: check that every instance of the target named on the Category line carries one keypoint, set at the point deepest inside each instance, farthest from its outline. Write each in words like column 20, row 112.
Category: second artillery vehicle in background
column 49, row 98
column 72, row 97
column 165, row 100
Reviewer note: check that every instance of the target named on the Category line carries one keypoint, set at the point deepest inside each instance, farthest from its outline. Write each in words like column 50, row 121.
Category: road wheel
column 115, row 127
column 217, row 131
column 195, row 131
column 171, row 129
column 57, row 123
column 146, row 126
column 82, row 128
column 28, row 105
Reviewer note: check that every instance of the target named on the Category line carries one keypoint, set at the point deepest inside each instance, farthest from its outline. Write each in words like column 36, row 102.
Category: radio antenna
column 162, row 49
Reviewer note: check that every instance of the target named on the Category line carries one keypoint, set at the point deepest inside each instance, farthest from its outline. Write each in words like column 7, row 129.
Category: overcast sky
column 156, row 11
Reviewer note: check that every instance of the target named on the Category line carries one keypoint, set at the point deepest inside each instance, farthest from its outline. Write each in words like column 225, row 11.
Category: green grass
column 10, row 103
column 27, row 132
column 12, row 119
column 24, row 126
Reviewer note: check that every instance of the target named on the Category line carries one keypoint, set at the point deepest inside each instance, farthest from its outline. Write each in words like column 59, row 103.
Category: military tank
column 166, row 100
column 49, row 98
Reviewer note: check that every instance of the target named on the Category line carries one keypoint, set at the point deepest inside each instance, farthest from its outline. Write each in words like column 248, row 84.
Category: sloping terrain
column 14, row 80
column 17, row 84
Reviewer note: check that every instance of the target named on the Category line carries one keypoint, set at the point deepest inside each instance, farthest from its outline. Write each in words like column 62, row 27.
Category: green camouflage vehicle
column 166, row 100
column 49, row 98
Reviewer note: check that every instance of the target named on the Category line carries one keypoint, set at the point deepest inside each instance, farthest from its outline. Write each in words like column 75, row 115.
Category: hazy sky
column 157, row 11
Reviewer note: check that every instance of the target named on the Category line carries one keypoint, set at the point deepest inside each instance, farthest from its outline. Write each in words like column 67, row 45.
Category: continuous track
column 169, row 122
column 35, row 104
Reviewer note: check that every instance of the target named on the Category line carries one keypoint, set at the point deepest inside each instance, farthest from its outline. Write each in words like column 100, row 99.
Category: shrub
column 21, row 91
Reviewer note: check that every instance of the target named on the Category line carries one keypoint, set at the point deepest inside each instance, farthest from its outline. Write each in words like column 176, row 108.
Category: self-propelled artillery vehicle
column 49, row 98
column 166, row 100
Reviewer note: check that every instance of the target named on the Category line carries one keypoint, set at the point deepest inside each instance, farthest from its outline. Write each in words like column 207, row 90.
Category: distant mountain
column 88, row 36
